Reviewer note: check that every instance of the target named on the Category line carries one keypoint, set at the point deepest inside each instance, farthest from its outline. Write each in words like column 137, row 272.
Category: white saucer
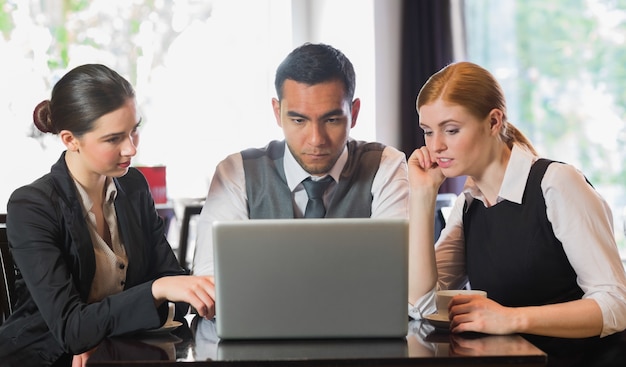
column 438, row 320
column 172, row 325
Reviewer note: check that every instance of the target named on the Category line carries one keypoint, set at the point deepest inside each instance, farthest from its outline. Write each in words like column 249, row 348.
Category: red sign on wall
column 156, row 180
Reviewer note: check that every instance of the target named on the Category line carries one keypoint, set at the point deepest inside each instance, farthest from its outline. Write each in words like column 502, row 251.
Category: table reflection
column 137, row 348
column 245, row 350
column 425, row 341
column 423, row 345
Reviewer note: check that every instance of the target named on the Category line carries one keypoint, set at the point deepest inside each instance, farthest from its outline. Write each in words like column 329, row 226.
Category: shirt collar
column 110, row 194
column 514, row 182
column 294, row 173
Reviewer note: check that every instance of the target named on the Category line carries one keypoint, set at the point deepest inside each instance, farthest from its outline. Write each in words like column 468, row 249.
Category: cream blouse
column 111, row 262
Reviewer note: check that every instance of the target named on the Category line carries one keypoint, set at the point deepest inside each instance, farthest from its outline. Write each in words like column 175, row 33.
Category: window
column 562, row 66
column 203, row 71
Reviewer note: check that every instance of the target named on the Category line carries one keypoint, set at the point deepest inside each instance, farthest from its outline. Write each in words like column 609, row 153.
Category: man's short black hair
column 313, row 64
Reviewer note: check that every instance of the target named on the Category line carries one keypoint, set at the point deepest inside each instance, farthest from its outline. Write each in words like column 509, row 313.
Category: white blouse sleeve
column 582, row 221
column 450, row 258
column 450, row 250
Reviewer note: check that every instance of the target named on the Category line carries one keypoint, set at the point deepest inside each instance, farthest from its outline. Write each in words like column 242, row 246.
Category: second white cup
column 442, row 298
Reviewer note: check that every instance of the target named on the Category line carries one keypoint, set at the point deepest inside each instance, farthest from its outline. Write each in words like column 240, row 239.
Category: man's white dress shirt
column 227, row 197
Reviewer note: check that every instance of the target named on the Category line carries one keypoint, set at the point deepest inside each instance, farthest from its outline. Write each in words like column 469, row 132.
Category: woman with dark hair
column 88, row 244
column 531, row 232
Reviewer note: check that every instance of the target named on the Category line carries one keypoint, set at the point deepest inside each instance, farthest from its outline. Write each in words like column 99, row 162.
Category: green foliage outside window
column 563, row 66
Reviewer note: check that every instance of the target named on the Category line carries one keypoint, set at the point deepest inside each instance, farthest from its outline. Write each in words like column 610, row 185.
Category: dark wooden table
column 199, row 345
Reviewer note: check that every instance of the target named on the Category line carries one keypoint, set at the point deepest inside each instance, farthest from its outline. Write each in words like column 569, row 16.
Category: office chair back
column 7, row 277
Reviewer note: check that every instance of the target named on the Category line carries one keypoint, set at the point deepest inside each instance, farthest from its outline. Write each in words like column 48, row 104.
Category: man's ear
column 356, row 107
column 69, row 140
column 276, row 108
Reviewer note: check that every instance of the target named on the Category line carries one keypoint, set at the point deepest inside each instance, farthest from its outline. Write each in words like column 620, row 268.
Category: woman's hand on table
column 198, row 291
column 480, row 314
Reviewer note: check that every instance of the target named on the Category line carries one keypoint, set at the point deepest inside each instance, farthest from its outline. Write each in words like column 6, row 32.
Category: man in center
column 316, row 109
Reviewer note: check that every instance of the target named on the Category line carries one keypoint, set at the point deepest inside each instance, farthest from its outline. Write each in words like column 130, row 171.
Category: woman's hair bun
column 41, row 117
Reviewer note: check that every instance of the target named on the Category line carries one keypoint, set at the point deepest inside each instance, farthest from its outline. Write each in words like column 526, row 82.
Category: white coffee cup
column 443, row 298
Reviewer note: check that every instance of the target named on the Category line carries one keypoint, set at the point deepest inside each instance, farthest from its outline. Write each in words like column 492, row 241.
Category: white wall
column 387, row 43
column 211, row 96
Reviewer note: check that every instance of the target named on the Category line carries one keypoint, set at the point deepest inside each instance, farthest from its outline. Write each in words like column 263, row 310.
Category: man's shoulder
column 274, row 149
column 366, row 145
column 236, row 159
column 374, row 146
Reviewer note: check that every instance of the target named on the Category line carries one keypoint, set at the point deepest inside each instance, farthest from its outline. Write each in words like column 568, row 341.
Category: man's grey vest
column 270, row 197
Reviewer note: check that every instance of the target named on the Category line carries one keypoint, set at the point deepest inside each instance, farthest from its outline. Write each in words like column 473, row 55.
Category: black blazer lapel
column 73, row 218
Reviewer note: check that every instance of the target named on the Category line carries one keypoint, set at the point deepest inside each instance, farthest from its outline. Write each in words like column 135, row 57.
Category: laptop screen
column 311, row 278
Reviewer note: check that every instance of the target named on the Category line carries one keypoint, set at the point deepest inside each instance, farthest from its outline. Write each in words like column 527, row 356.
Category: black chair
column 7, row 277
column 168, row 213
column 190, row 210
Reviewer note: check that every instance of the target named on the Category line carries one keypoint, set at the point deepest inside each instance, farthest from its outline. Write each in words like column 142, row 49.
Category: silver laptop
column 311, row 278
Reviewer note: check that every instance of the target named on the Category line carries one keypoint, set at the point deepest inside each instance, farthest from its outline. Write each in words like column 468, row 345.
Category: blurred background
column 204, row 71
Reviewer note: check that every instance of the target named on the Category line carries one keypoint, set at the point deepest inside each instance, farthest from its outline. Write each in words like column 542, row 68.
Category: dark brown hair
column 314, row 64
column 80, row 97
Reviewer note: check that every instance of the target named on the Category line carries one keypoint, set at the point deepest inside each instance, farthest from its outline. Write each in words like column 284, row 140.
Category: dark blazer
column 52, row 249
